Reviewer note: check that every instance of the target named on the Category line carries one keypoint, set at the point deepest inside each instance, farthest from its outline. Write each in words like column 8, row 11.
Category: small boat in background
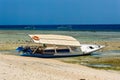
column 49, row 46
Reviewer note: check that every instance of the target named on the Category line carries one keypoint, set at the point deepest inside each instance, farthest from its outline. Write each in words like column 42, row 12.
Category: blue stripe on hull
column 53, row 55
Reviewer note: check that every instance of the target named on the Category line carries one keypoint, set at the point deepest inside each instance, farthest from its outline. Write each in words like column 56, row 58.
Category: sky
column 15, row 12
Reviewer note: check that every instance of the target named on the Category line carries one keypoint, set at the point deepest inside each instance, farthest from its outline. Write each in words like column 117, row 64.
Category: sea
column 86, row 27
column 83, row 33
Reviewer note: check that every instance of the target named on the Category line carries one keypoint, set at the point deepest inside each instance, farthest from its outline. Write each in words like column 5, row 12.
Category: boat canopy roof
column 54, row 39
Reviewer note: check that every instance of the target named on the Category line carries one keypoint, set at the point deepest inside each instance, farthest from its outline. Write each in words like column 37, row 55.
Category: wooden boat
column 49, row 45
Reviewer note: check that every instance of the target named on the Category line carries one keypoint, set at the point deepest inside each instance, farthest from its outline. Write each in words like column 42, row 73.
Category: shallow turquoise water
column 10, row 36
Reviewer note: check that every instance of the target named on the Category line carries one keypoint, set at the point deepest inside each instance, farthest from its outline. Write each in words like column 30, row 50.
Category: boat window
column 91, row 47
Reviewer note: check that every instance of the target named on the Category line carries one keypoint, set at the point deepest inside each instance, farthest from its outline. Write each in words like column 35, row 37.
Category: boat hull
column 53, row 55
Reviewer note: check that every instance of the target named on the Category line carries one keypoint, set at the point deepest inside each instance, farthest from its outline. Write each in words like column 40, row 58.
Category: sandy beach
column 29, row 68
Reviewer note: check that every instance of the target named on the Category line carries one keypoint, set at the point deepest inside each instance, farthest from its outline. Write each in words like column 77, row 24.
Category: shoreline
column 31, row 68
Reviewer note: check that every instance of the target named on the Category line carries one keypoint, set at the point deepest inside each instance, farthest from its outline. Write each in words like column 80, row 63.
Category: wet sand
column 29, row 68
